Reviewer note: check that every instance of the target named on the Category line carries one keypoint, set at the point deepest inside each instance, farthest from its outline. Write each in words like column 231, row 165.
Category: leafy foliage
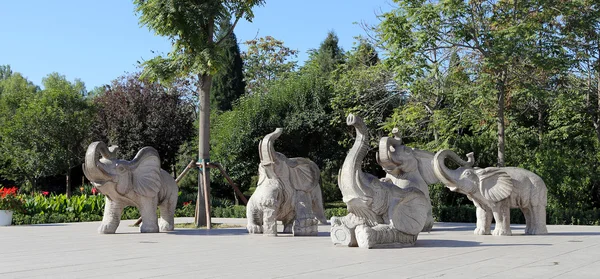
column 228, row 83
column 133, row 113
column 265, row 60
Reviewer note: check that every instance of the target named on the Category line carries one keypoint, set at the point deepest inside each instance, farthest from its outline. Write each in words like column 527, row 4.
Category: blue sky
column 98, row 41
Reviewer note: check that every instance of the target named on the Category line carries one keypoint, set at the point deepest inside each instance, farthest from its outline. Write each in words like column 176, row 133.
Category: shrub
column 340, row 211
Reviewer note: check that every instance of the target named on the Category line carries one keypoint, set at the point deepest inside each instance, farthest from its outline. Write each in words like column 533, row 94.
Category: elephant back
column 304, row 174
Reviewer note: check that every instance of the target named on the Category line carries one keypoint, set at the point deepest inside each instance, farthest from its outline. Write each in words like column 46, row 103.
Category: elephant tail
column 317, row 206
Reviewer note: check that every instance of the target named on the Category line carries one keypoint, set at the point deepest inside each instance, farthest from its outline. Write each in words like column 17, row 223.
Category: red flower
column 187, row 203
column 45, row 193
column 94, row 191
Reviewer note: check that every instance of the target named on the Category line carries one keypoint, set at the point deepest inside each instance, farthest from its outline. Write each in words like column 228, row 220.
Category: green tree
column 133, row 113
column 330, row 54
column 42, row 135
column 191, row 27
column 501, row 35
column 228, row 82
column 265, row 60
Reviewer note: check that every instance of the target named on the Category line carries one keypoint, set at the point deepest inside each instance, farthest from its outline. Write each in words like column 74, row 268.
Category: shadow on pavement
column 436, row 243
column 214, row 232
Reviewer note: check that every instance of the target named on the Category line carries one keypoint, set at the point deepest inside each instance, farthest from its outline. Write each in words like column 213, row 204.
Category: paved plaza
column 451, row 250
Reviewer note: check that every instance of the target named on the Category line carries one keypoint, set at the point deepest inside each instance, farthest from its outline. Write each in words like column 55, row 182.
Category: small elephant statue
column 407, row 167
column 139, row 182
column 288, row 190
column 494, row 191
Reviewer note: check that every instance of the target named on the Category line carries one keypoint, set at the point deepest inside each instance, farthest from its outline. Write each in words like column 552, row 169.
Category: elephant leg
column 147, row 209
column 112, row 216
column 269, row 221
column 305, row 223
column 502, row 217
column 484, row 221
column 255, row 218
column 528, row 219
column 368, row 237
column 538, row 214
column 167, row 214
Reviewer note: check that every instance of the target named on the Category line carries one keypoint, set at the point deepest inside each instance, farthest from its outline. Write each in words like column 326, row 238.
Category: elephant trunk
column 349, row 178
column 92, row 167
column 441, row 170
column 267, row 153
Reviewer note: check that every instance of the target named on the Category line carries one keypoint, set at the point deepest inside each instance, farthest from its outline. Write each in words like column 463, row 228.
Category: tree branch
column 230, row 30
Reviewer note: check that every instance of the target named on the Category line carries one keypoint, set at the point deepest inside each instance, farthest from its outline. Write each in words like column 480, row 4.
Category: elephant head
column 485, row 186
column 397, row 159
column 142, row 174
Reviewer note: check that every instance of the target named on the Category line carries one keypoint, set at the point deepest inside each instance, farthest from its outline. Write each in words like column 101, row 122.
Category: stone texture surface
column 494, row 191
column 450, row 250
column 139, row 182
column 407, row 167
column 288, row 190
column 380, row 213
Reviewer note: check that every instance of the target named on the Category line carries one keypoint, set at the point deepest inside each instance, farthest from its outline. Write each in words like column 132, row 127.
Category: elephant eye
column 120, row 168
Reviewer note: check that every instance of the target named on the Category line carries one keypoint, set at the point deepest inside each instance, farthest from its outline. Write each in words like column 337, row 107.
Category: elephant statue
column 288, row 190
column 407, row 167
column 139, row 182
column 494, row 191
column 380, row 213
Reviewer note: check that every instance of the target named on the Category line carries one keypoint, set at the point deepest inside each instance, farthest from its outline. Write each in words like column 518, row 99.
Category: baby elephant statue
column 140, row 183
column 288, row 190
column 494, row 191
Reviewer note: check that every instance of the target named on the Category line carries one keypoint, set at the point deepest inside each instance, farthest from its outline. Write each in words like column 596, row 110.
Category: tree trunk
column 68, row 190
column 204, row 135
column 501, row 97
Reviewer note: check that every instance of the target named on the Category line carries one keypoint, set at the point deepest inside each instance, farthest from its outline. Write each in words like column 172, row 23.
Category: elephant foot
column 428, row 225
column 287, row 228
column 365, row 236
column 107, row 229
column 480, row 231
column 254, row 229
column 499, row 231
column 148, row 228
column 305, row 227
column 270, row 229
column 537, row 230
column 166, row 226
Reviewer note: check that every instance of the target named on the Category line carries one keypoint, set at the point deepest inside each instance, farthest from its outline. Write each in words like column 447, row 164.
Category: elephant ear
column 145, row 172
column 410, row 214
column 494, row 183
column 303, row 174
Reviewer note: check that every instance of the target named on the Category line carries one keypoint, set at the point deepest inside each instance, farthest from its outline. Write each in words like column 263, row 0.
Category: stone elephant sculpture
column 380, row 213
column 139, row 182
column 288, row 190
column 494, row 191
column 407, row 167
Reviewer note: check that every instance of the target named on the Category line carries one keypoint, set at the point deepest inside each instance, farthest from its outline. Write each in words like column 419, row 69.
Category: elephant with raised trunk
column 288, row 190
column 407, row 167
column 139, row 182
column 380, row 213
column 494, row 191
